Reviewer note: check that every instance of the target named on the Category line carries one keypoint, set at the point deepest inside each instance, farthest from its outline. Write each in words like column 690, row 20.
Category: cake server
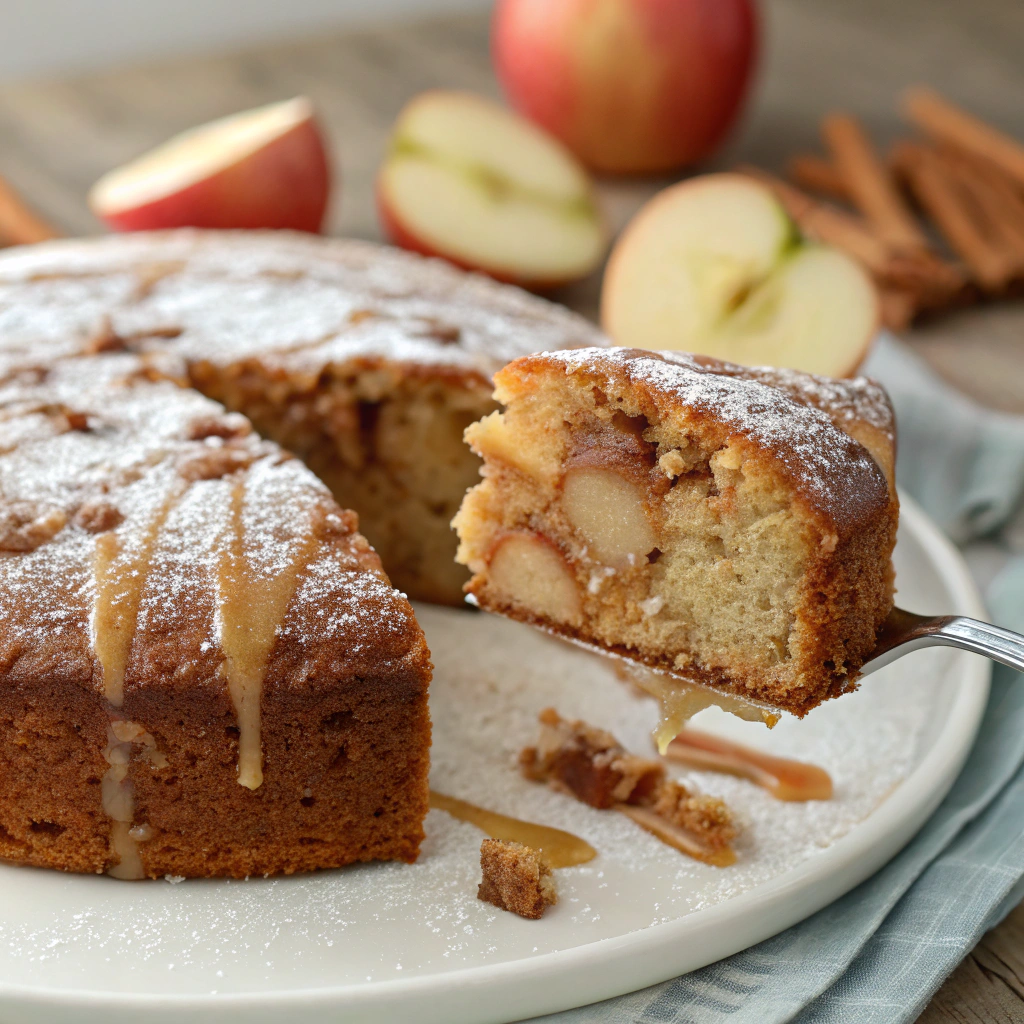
column 903, row 632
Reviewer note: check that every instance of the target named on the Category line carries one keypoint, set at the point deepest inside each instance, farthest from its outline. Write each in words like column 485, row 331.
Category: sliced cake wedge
column 721, row 525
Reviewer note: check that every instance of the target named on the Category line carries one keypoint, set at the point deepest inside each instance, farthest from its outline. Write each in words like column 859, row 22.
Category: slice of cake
column 203, row 668
column 726, row 526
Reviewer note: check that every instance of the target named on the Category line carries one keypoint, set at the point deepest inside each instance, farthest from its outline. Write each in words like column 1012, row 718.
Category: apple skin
column 284, row 184
column 630, row 86
column 398, row 234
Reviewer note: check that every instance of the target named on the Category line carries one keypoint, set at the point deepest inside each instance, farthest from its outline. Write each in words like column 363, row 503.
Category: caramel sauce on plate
column 562, row 849
column 784, row 779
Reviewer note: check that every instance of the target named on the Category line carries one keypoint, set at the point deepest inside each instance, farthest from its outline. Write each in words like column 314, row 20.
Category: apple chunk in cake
column 729, row 526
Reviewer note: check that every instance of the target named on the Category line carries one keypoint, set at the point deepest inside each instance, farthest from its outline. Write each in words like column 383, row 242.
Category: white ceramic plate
column 394, row 942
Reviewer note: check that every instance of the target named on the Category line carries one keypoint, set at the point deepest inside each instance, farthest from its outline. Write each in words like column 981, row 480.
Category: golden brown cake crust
column 826, row 446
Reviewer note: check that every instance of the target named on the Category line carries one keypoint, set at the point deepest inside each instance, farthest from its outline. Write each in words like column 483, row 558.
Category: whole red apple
column 630, row 86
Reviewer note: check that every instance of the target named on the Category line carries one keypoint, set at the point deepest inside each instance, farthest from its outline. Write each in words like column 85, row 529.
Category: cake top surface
column 818, row 429
column 132, row 501
column 296, row 301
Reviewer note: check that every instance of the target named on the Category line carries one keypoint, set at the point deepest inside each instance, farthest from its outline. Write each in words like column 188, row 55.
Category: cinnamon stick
column 870, row 184
column 826, row 223
column 898, row 307
column 944, row 200
column 919, row 272
column 18, row 224
column 816, row 174
column 994, row 194
column 948, row 123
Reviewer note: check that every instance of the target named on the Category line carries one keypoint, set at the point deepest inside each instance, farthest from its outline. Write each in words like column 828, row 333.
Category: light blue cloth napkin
column 879, row 953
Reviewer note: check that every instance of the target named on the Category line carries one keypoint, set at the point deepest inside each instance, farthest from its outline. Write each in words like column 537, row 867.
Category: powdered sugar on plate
column 381, row 922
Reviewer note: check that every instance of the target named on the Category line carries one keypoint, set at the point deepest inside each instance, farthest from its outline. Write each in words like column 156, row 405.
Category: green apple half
column 470, row 181
column 715, row 266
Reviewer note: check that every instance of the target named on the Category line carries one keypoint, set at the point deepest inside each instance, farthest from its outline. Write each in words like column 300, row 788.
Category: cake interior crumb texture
column 729, row 526
column 386, row 442
column 516, row 878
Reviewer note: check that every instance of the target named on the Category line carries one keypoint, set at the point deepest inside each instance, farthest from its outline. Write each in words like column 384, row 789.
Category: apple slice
column 528, row 571
column 715, row 266
column 468, row 180
column 264, row 168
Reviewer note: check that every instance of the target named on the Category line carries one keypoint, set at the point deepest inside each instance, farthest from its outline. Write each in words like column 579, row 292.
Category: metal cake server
column 903, row 632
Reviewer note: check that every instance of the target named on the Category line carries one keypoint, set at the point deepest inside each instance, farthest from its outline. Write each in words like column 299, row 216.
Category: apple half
column 467, row 180
column 263, row 168
column 715, row 266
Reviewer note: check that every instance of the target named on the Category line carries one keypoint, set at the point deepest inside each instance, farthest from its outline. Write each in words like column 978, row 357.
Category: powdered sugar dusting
column 294, row 301
column 797, row 418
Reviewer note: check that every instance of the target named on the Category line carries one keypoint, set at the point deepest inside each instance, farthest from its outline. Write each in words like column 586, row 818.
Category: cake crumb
column 591, row 765
column 516, row 878
column 588, row 763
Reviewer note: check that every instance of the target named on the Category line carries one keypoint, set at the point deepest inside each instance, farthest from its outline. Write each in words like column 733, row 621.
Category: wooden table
column 57, row 137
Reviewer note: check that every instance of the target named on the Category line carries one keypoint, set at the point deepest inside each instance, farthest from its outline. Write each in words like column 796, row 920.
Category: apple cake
column 366, row 362
column 204, row 669
column 721, row 525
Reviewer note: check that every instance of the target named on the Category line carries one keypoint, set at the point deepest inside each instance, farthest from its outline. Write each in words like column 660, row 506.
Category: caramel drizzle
column 129, row 862
column 252, row 608
column 680, row 701
column 120, row 582
column 562, row 849
column 783, row 778
column 118, row 796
